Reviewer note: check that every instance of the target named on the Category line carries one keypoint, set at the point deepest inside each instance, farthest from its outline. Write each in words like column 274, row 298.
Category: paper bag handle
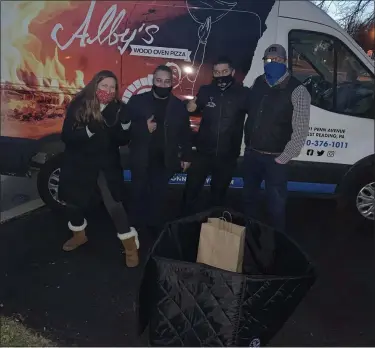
column 230, row 215
column 222, row 218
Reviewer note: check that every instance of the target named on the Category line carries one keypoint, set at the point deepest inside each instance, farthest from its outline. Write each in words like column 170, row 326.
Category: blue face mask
column 274, row 71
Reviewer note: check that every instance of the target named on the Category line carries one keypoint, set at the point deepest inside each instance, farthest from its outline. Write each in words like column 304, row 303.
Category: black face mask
column 223, row 82
column 162, row 92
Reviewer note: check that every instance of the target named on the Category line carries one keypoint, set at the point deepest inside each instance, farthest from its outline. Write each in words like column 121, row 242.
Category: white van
column 51, row 49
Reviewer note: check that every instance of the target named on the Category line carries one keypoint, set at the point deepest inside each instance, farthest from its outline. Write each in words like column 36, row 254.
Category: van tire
column 360, row 178
column 44, row 177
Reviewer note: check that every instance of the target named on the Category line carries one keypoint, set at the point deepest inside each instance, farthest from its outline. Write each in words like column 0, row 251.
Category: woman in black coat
column 96, row 124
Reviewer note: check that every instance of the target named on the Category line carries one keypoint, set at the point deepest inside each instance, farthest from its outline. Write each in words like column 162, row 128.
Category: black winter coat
column 223, row 116
column 178, row 146
column 85, row 156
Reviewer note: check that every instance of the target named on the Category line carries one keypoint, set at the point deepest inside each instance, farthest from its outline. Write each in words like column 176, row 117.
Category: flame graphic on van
column 32, row 87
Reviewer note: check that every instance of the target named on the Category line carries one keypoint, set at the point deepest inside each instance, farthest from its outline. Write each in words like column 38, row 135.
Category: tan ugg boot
column 79, row 237
column 131, row 245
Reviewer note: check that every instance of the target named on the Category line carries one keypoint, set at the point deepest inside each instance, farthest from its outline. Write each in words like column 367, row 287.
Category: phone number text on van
column 322, row 143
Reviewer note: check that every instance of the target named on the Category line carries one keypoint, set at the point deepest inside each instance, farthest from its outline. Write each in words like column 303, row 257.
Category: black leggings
column 115, row 208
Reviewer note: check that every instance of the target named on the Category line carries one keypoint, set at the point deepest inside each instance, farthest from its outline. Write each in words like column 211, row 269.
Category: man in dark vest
column 275, row 132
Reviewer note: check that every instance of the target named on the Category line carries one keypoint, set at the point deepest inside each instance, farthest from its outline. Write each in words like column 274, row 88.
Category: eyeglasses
column 274, row 59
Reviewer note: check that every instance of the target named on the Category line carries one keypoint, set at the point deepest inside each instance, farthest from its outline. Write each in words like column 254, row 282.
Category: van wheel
column 48, row 183
column 365, row 201
column 360, row 197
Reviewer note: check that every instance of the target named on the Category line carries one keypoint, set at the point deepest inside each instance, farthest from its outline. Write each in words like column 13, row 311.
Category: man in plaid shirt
column 275, row 132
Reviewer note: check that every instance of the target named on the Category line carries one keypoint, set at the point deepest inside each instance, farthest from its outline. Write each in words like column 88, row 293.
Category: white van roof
column 307, row 11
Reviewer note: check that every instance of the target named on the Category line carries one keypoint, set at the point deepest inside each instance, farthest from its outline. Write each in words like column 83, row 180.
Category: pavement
column 87, row 297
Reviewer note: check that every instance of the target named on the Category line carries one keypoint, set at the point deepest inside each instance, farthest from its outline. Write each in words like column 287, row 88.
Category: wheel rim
column 53, row 185
column 366, row 201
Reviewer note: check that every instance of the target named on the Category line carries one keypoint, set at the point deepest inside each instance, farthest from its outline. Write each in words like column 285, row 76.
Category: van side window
column 334, row 76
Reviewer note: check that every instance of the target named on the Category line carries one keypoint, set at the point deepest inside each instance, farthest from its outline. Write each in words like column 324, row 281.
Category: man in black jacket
column 160, row 146
column 275, row 132
column 219, row 139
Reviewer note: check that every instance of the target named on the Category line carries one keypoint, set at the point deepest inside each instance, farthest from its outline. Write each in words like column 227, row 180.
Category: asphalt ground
column 87, row 297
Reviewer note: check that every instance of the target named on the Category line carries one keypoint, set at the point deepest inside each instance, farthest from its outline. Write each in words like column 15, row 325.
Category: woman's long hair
column 88, row 106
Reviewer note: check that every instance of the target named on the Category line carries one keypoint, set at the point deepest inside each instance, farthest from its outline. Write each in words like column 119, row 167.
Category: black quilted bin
column 184, row 303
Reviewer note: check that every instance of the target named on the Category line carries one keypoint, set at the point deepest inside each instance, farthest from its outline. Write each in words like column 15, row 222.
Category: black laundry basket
column 190, row 304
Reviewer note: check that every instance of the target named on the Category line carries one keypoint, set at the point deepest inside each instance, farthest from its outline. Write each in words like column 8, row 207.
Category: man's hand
column 151, row 124
column 192, row 106
column 278, row 161
column 185, row 166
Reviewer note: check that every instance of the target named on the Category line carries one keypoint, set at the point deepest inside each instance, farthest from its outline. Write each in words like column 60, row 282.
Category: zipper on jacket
column 165, row 132
column 218, row 127
column 165, row 140
column 256, row 120
column 165, row 126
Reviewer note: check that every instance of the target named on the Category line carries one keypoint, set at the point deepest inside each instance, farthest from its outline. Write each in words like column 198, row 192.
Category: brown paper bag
column 221, row 245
